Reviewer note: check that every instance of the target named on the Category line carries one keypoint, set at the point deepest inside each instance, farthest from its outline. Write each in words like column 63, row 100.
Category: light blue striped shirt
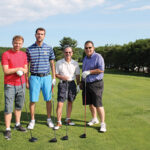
column 39, row 58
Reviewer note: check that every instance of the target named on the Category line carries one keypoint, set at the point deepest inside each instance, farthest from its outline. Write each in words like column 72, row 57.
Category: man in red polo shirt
column 14, row 60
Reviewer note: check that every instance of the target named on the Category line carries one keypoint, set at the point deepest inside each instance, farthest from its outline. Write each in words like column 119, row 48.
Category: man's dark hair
column 89, row 42
column 41, row 29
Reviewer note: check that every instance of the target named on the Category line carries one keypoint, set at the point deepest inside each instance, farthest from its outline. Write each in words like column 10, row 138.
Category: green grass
column 127, row 106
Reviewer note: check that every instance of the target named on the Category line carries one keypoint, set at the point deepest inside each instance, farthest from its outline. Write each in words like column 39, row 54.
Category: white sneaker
column 93, row 121
column 59, row 125
column 69, row 122
column 50, row 123
column 31, row 125
column 103, row 127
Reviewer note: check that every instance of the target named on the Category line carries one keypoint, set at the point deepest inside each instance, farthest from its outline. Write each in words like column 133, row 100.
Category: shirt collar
column 41, row 45
column 66, row 61
column 91, row 55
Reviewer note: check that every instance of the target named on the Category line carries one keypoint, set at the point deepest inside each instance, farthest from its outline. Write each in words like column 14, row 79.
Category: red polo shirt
column 14, row 60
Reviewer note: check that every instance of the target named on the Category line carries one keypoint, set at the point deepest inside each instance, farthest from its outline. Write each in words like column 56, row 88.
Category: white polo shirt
column 70, row 69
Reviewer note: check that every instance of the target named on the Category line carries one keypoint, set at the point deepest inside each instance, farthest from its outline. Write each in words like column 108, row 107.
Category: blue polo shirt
column 95, row 61
column 39, row 58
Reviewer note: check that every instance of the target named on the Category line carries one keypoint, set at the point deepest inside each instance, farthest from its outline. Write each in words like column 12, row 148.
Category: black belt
column 94, row 81
column 67, row 81
column 40, row 74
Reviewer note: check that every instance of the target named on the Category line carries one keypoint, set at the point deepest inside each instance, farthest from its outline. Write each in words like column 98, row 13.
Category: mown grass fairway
column 127, row 105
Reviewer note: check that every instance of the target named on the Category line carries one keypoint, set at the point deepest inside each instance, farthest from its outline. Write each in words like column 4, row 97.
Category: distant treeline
column 3, row 49
column 134, row 56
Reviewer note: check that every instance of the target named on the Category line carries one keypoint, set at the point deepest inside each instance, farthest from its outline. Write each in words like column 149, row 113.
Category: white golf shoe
column 69, row 122
column 103, row 127
column 59, row 125
column 50, row 123
column 31, row 125
column 93, row 121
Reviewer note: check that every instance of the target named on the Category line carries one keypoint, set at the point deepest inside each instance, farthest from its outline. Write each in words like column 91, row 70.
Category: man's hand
column 54, row 82
column 78, row 89
column 85, row 74
column 19, row 73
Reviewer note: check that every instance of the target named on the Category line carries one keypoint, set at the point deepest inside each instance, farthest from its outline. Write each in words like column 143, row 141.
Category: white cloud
column 115, row 7
column 147, row 7
column 17, row 10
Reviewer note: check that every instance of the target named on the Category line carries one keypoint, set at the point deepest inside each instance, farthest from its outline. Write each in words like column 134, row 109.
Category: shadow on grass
column 81, row 123
column 40, row 119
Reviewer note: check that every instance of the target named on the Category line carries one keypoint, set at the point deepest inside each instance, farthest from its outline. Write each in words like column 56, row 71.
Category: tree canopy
column 128, row 57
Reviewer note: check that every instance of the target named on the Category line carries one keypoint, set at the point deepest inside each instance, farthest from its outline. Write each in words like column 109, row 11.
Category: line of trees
column 134, row 56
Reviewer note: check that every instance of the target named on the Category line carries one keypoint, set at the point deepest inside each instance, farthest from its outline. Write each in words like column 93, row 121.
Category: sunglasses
column 88, row 47
column 68, row 52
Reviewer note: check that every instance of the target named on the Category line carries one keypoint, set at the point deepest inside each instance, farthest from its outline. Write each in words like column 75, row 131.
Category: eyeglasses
column 68, row 52
column 88, row 47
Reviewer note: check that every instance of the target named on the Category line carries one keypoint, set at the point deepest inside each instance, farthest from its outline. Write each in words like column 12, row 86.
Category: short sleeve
column 4, row 59
column 52, row 55
column 100, row 63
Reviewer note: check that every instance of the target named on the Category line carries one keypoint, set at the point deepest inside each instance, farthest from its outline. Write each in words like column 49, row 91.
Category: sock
column 8, row 129
column 33, row 121
column 48, row 119
column 17, row 123
column 59, row 122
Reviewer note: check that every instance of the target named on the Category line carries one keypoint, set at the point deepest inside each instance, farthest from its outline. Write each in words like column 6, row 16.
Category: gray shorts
column 62, row 91
column 14, row 93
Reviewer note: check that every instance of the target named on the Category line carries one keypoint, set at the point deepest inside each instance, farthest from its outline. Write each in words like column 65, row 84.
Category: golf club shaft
column 85, row 108
column 53, row 109
column 66, row 109
column 25, row 105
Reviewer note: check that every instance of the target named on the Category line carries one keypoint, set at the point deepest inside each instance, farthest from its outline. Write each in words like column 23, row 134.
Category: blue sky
column 102, row 21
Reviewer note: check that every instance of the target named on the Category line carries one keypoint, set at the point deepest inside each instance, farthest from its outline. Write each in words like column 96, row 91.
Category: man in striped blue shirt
column 41, row 61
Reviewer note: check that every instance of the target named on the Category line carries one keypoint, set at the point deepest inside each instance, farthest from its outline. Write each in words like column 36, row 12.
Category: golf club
column 32, row 139
column 53, row 139
column 66, row 136
column 84, row 135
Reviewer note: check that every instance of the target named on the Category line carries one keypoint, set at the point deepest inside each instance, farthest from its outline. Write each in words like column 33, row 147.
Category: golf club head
column 53, row 140
column 83, row 136
column 33, row 139
column 65, row 137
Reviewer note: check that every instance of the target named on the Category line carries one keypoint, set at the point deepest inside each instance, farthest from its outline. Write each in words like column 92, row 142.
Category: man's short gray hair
column 67, row 46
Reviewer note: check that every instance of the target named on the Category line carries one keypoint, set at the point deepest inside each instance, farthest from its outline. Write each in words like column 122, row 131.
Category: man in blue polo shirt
column 92, row 74
column 40, row 58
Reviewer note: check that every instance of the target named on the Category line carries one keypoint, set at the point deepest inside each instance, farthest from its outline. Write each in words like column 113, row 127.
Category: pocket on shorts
column 62, row 89
column 8, row 86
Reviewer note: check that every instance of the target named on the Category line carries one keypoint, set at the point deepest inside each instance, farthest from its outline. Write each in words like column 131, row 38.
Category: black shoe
column 20, row 128
column 7, row 134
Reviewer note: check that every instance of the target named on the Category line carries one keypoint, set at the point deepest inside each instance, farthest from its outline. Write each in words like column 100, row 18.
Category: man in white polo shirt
column 67, row 70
